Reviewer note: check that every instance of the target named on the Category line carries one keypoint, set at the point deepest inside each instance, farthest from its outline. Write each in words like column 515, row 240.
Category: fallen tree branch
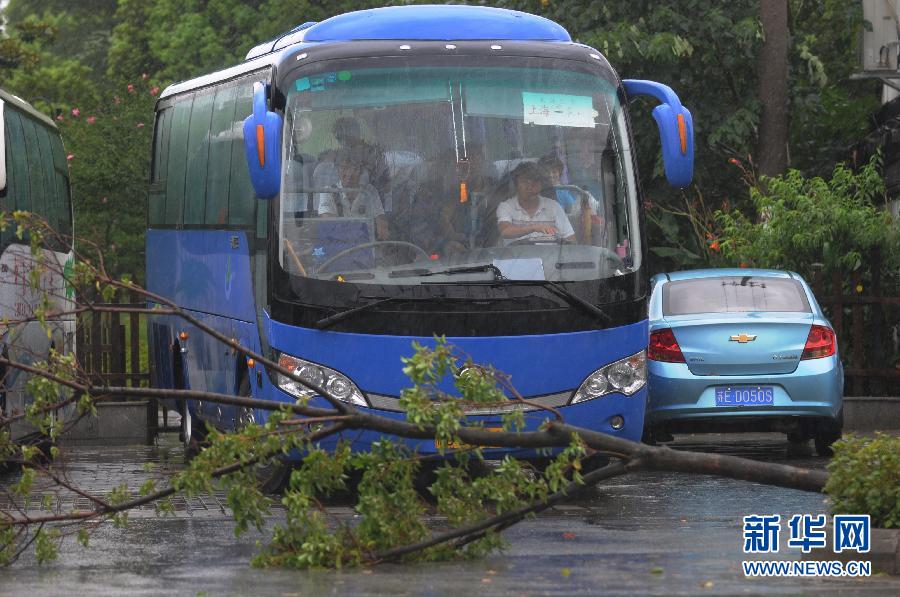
column 108, row 509
column 477, row 530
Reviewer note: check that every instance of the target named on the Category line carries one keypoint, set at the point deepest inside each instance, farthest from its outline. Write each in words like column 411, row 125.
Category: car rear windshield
column 737, row 294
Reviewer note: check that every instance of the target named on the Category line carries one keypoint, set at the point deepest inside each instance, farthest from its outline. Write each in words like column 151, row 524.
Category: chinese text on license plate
column 744, row 395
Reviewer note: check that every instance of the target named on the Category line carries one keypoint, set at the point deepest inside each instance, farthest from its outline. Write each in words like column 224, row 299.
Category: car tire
column 828, row 432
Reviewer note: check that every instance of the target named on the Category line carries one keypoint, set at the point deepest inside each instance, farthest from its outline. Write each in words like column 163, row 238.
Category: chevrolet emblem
column 743, row 338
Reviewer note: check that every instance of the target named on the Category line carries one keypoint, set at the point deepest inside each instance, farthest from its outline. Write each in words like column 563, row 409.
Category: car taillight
column 819, row 344
column 663, row 347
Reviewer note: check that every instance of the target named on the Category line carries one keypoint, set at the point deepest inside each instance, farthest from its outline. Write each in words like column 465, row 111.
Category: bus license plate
column 744, row 395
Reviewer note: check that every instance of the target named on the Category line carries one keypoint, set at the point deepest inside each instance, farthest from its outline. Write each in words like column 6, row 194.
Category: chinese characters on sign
column 807, row 532
column 558, row 109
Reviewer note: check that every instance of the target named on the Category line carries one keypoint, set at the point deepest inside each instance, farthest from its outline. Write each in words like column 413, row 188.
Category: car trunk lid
column 741, row 344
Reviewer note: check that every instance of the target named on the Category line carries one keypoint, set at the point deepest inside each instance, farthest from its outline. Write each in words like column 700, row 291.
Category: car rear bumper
column 813, row 390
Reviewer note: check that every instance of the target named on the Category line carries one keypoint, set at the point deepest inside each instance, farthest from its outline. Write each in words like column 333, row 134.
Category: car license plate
column 744, row 395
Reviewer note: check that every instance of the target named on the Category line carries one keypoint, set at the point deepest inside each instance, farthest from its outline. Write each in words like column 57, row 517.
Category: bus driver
column 354, row 198
column 529, row 216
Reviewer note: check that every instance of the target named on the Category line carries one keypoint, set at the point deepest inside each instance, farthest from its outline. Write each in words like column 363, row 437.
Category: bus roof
column 421, row 23
column 437, row 23
column 25, row 107
column 414, row 23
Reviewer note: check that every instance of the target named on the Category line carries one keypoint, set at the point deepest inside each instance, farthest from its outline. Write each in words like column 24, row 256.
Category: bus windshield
column 406, row 175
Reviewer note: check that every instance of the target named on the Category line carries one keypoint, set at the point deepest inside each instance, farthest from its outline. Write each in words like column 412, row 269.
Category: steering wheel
column 571, row 187
column 400, row 243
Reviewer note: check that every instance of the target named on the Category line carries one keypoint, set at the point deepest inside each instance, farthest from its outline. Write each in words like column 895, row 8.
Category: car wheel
column 828, row 432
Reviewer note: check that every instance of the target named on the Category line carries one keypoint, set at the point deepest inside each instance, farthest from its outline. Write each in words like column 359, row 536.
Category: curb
column 871, row 413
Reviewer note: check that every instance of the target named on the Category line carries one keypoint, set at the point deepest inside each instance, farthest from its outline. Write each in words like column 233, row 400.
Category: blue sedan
column 742, row 350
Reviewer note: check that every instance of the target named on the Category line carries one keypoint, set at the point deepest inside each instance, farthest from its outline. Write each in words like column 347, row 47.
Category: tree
column 391, row 524
column 109, row 159
column 772, row 156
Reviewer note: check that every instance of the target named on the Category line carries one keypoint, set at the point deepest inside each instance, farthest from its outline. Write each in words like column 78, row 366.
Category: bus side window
column 177, row 163
column 37, row 183
column 44, row 157
column 195, row 196
column 63, row 198
column 242, row 202
column 157, row 203
column 17, row 194
column 218, row 180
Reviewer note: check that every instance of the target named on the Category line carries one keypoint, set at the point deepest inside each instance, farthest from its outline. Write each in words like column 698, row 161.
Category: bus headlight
column 625, row 376
column 337, row 384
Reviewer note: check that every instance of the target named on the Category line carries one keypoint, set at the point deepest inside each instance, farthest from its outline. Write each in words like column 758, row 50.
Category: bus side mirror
column 262, row 143
column 676, row 130
column 2, row 149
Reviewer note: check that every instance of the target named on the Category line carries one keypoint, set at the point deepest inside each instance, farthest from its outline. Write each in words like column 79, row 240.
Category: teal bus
column 34, row 177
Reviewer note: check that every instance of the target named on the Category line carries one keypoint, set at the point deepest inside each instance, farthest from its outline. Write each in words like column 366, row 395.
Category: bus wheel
column 193, row 432
column 273, row 476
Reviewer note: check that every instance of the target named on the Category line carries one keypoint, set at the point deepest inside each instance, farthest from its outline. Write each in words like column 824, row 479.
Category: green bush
column 800, row 221
column 865, row 478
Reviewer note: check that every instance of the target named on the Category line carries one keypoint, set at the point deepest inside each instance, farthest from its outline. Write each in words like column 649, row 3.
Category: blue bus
column 389, row 175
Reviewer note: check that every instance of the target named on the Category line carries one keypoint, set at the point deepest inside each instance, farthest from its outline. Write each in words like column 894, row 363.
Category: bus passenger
column 528, row 215
column 353, row 198
column 347, row 132
column 577, row 203
column 569, row 198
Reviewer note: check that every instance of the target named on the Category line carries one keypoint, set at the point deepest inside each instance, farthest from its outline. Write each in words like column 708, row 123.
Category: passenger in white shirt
column 530, row 216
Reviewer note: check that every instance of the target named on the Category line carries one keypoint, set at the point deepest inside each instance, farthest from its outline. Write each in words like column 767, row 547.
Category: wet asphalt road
column 646, row 533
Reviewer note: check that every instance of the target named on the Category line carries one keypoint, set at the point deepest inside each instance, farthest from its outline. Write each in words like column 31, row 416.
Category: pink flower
column 76, row 112
column 154, row 91
column 91, row 119
column 70, row 157
column 59, row 118
column 139, row 125
column 130, row 88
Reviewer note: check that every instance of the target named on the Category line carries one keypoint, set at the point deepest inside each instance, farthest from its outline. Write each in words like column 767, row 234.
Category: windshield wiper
column 342, row 315
column 562, row 291
column 469, row 269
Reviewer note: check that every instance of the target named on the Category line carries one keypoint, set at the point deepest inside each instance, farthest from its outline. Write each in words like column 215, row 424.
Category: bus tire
column 273, row 476
column 192, row 432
